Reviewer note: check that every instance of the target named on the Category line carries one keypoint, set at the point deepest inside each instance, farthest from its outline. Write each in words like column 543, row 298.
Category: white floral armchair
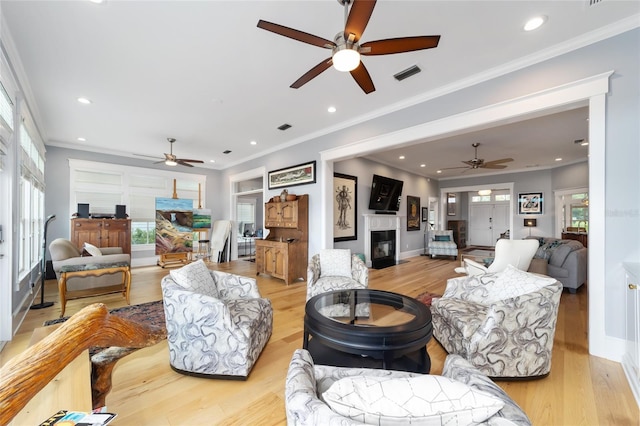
column 502, row 323
column 217, row 323
column 335, row 269
column 307, row 382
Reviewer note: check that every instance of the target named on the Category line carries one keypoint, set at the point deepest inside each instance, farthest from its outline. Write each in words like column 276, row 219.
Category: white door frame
column 589, row 91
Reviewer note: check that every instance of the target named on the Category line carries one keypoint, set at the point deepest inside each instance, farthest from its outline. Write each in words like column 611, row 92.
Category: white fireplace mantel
column 380, row 222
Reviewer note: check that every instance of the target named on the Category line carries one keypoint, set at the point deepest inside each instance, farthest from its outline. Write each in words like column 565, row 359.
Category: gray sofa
column 566, row 261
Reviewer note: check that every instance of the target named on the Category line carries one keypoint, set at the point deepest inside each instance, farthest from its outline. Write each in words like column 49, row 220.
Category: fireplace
column 383, row 249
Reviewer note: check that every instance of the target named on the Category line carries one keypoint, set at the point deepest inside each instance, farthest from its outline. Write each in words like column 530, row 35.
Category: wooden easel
column 175, row 259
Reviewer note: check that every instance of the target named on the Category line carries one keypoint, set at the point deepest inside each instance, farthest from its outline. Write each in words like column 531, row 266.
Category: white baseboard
column 632, row 378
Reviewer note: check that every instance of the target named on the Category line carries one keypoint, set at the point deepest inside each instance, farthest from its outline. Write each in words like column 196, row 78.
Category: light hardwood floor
column 580, row 390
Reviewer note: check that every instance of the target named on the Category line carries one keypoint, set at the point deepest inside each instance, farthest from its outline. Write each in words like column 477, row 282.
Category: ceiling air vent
column 228, row 151
column 594, row 2
column 285, row 126
column 413, row 70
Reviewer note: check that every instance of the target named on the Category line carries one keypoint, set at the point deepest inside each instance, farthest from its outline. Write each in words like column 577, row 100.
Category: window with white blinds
column 105, row 185
column 31, row 201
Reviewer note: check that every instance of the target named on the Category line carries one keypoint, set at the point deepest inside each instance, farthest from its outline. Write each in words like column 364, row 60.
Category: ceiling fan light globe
column 170, row 163
column 345, row 59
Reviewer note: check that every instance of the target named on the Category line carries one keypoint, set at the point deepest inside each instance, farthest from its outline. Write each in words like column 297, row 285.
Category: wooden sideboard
column 459, row 228
column 102, row 233
column 583, row 238
column 284, row 254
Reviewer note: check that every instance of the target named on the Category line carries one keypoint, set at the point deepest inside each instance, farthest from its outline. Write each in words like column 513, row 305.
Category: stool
column 206, row 251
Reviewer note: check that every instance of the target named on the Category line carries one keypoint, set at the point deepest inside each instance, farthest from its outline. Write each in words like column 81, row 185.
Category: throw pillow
column 92, row 250
column 195, row 277
column 442, row 238
column 335, row 263
column 513, row 282
column 419, row 400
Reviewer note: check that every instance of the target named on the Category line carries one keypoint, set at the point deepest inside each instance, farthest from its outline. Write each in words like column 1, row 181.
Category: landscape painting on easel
column 174, row 225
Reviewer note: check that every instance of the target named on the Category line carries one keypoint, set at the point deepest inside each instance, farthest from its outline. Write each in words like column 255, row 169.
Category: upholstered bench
column 93, row 269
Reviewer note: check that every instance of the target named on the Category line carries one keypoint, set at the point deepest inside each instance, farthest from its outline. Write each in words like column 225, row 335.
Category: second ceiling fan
column 479, row 163
column 345, row 48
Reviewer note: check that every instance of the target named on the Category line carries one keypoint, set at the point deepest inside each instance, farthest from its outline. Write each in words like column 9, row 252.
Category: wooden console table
column 95, row 270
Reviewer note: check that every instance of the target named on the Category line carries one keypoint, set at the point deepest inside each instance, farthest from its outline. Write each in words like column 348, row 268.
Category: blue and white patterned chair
column 335, row 269
column 217, row 323
column 440, row 243
column 306, row 405
column 502, row 323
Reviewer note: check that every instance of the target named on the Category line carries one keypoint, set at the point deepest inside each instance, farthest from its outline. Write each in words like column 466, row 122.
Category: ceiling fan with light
column 479, row 163
column 346, row 49
column 171, row 160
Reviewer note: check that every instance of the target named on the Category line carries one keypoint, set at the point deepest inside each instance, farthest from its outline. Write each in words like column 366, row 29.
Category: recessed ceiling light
column 558, row 159
column 82, row 139
column 253, row 143
column 439, row 171
column 97, row 1
column 423, row 165
column 535, row 23
column 84, row 101
column 401, row 157
column 331, row 109
column 212, row 161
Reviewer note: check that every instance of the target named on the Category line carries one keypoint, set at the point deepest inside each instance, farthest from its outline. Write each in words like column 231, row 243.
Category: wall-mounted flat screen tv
column 385, row 194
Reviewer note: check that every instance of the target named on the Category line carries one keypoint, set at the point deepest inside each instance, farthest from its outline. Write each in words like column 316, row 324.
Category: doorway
column 486, row 223
column 247, row 211
column 589, row 91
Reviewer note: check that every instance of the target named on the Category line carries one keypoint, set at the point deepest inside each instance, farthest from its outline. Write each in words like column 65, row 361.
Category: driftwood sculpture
column 22, row 377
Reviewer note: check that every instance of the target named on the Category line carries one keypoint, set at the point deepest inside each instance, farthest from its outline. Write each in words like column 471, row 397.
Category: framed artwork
column 345, row 207
column 425, row 214
column 174, row 225
column 292, row 176
column 451, row 204
column 530, row 203
column 413, row 213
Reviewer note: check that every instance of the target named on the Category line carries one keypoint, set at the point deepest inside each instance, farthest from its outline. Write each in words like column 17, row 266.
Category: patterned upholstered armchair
column 440, row 243
column 307, row 382
column 217, row 323
column 502, row 323
column 335, row 269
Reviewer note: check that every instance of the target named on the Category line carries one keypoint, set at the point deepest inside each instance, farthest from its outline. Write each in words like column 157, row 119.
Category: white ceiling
column 203, row 73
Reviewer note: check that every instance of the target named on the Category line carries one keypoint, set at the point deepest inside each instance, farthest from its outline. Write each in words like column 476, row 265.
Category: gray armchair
column 306, row 382
column 217, row 326
column 440, row 242
column 506, row 338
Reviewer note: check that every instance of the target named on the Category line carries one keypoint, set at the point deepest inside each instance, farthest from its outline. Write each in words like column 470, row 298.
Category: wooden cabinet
column 281, row 215
column 583, row 238
column 102, row 233
column 459, row 228
column 284, row 254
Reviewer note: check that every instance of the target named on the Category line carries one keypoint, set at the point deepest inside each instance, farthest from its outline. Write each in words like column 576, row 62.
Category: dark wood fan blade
column 181, row 162
column 362, row 77
column 358, row 19
column 312, row 73
column 493, row 166
column 502, row 160
column 190, row 161
column 398, row 45
column 296, row 34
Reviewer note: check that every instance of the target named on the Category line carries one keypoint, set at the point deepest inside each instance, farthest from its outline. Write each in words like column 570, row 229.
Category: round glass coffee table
column 368, row 328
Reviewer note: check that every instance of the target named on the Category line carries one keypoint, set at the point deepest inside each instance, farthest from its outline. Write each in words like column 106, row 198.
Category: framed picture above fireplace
column 345, row 208
column 413, row 213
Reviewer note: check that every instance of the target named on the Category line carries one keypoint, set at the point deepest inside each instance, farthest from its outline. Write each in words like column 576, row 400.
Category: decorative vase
column 283, row 195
